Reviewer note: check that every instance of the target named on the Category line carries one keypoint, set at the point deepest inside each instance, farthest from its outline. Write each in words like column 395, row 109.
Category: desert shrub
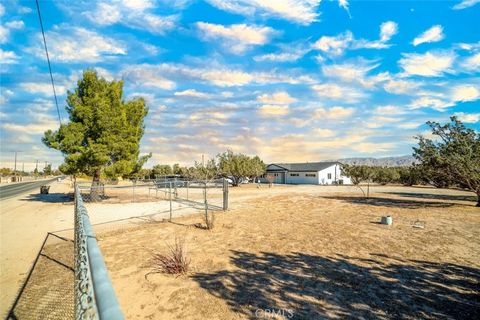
column 175, row 261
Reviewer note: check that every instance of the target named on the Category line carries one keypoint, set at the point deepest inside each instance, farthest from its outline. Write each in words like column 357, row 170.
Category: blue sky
column 288, row 80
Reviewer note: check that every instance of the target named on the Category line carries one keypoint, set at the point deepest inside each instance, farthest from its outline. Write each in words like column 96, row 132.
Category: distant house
column 306, row 173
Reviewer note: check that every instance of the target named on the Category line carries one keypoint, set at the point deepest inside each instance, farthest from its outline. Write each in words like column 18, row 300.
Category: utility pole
column 36, row 170
column 15, row 168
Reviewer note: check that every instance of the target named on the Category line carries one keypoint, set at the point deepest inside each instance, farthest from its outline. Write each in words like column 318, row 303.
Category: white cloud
column 16, row 24
column 191, row 93
column 388, row 110
column 323, row 133
column 4, row 33
column 337, row 92
column 379, row 121
column 8, row 57
column 336, row 45
column 344, row 4
column 289, row 52
column 43, row 88
column 333, row 113
column 32, row 128
column 355, row 72
column 280, row 97
column 471, row 63
column 132, row 14
column 401, row 86
column 347, row 71
column 269, row 110
column 104, row 73
column 138, row 4
column 206, row 117
column 298, row 11
column 409, row 125
column 237, row 38
column 24, row 10
column 434, row 34
column 465, row 93
column 430, row 64
column 388, row 30
column 468, row 117
column 105, row 14
column 144, row 76
column 372, row 147
column 443, row 100
column 468, row 46
column 5, row 29
column 429, row 102
column 76, row 44
column 219, row 75
column 465, row 4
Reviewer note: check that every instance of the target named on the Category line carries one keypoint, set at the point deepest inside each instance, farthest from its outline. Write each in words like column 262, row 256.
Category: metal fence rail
column 94, row 294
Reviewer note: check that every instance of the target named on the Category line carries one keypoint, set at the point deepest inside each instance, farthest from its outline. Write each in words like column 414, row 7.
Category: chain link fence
column 94, row 294
column 187, row 192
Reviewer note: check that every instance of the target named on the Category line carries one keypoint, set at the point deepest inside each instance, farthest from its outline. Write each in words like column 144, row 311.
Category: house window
column 294, row 175
column 310, row 175
column 329, row 176
column 276, row 174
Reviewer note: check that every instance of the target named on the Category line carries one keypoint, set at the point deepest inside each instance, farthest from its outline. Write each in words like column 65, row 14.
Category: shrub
column 174, row 262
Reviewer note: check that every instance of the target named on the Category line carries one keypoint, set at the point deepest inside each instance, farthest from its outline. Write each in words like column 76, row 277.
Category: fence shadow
column 48, row 290
column 315, row 287
column 50, row 198
column 444, row 197
column 391, row 202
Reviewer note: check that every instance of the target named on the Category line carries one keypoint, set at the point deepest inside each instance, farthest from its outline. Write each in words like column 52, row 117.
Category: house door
column 280, row 177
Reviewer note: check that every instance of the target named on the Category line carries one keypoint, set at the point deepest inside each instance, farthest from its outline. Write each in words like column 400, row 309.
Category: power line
column 48, row 60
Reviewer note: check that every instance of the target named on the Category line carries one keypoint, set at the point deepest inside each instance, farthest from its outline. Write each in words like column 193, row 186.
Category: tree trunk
column 95, row 189
column 478, row 199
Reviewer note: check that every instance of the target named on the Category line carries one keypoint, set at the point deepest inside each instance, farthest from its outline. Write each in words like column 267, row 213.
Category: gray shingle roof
column 309, row 166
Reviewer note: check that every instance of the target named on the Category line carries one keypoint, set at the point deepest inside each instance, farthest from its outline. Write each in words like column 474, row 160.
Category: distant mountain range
column 400, row 161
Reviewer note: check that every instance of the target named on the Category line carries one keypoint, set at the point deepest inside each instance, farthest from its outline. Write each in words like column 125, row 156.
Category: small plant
column 174, row 262
column 209, row 219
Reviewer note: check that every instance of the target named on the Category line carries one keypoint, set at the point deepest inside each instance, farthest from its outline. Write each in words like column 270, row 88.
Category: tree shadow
column 314, row 287
column 445, row 197
column 50, row 198
column 390, row 202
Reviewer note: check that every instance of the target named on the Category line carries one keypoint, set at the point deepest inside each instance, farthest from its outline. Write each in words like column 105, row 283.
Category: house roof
column 309, row 166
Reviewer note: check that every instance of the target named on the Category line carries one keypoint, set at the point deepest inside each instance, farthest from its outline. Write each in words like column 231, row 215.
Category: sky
column 288, row 80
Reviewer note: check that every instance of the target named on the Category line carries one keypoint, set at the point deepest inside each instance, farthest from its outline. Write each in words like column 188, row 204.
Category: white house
column 307, row 173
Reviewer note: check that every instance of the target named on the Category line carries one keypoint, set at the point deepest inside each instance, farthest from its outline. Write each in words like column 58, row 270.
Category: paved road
column 11, row 190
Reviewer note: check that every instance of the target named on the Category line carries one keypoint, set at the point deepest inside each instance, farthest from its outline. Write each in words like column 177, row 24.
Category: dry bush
column 174, row 262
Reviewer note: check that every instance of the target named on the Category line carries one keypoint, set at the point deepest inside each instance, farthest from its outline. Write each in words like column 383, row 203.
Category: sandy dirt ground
column 309, row 252
column 299, row 251
column 26, row 219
